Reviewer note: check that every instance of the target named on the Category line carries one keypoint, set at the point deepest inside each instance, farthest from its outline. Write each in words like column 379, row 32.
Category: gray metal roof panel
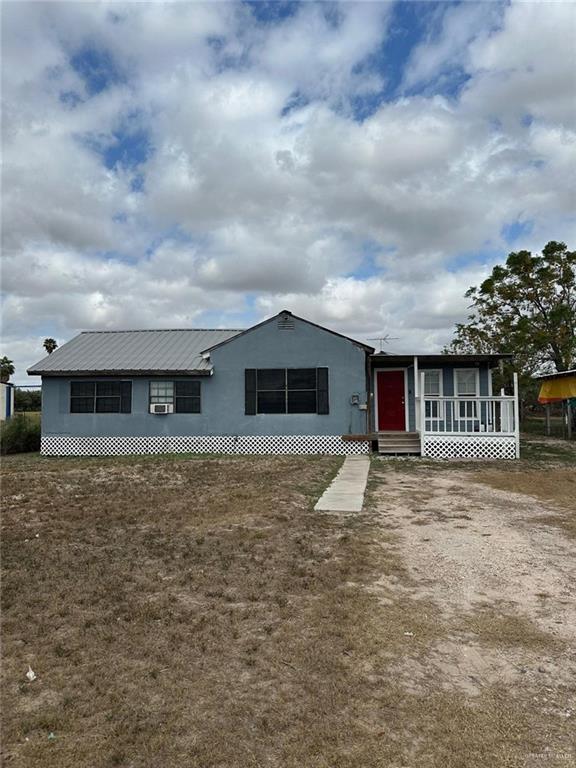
column 133, row 351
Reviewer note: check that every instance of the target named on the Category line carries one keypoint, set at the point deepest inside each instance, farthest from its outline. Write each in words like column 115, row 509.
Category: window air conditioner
column 163, row 408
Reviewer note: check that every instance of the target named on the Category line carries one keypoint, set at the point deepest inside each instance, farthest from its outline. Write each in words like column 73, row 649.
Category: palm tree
column 6, row 369
column 50, row 345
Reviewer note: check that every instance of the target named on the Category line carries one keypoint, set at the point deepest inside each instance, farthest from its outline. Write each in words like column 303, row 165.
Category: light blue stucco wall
column 447, row 382
column 223, row 393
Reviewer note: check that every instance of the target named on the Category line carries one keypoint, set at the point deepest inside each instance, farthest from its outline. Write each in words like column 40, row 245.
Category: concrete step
column 411, row 439
column 399, row 446
column 399, row 434
column 391, row 443
column 408, row 449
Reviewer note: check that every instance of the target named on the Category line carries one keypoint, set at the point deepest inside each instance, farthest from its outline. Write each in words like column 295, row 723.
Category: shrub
column 19, row 434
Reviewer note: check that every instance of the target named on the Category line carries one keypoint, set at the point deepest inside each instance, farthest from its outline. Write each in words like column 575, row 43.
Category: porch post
column 516, row 416
column 547, row 414
column 569, row 417
column 422, row 410
column 417, row 393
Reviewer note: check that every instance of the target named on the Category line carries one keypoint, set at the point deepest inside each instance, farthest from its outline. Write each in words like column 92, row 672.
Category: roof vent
column 285, row 323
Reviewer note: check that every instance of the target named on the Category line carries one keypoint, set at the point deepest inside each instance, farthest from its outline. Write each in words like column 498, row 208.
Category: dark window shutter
column 250, row 391
column 322, row 386
column 126, row 397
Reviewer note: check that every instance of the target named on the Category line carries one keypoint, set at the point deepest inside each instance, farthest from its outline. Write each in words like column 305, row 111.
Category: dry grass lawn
column 198, row 613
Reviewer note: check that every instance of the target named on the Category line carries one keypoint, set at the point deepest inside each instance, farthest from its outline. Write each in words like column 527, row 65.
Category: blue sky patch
column 369, row 266
column 97, row 69
column 407, row 28
column 517, row 230
column 128, row 149
column 266, row 11
column 487, row 255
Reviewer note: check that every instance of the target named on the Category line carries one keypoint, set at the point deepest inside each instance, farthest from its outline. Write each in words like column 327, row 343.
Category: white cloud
column 242, row 202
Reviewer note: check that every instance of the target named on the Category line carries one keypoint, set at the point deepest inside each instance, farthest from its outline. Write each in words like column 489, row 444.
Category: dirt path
column 469, row 546
column 502, row 582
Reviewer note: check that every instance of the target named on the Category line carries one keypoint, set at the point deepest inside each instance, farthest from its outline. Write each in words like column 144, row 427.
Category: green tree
column 27, row 399
column 50, row 345
column 6, row 368
column 527, row 307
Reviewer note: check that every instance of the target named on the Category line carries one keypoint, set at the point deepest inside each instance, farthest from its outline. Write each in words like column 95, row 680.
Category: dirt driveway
column 494, row 571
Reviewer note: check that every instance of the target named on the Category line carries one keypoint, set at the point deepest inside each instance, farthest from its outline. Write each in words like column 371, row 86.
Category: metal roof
column 133, row 352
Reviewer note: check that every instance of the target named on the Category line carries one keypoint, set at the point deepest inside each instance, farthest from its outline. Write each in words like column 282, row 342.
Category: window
column 161, row 392
column 466, row 386
column 432, row 388
column 286, row 390
column 184, row 394
column 187, row 396
column 110, row 396
column 433, row 383
column 466, row 382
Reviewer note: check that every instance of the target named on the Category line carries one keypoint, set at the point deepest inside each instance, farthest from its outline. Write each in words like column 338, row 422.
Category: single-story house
column 285, row 385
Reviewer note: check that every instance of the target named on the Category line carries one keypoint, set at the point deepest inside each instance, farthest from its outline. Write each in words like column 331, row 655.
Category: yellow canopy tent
column 557, row 389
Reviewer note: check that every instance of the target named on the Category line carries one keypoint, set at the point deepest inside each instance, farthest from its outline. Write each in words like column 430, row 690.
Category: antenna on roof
column 384, row 340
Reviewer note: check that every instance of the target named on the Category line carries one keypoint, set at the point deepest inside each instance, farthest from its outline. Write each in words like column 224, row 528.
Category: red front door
column 391, row 407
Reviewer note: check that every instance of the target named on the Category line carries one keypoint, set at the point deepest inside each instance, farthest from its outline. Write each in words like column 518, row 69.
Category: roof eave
column 148, row 372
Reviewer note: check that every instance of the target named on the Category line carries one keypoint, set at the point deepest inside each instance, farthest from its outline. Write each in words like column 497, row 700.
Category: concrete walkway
column 346, row 492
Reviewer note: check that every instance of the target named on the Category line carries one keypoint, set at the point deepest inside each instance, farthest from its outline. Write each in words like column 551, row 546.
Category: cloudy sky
column 206, row 165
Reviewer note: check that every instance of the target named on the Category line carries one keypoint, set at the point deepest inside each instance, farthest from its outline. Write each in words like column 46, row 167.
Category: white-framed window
column 466, row 382
column 432, row 388
column 161, row 392
column 183, row 394
column 433, row 383
column 467, row 385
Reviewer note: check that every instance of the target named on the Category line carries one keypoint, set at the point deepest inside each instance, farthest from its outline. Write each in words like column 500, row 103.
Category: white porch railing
column 489, row 423
column 460, row 415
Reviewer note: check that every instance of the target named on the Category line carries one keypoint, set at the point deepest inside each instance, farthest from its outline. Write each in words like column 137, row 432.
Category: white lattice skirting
column 469, row 447
column 61, row 445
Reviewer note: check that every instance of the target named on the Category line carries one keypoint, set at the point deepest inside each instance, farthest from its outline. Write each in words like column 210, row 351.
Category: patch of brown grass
column 199, row 613
column 555, row 485
column 502, row 629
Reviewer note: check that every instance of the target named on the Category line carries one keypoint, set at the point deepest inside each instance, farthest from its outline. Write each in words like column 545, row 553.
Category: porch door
column 391, row 401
